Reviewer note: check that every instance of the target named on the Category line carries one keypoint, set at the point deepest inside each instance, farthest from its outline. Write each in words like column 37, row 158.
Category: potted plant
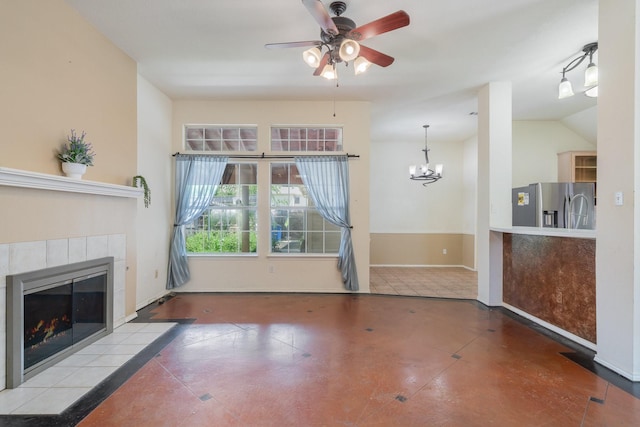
column 76, row 155
column 139, row 181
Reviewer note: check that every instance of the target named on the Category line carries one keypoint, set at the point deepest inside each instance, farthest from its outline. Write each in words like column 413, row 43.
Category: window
column 217, row 138
column 306, row 139
column 229, row 225
column 296, row 226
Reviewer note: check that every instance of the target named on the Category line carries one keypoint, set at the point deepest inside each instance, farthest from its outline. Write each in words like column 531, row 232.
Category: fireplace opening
column 55, row 312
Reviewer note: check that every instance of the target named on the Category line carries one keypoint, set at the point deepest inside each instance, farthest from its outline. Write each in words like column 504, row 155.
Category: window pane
column 220, row 138
column 230, row 223
column 296, row 226
column 306, row 139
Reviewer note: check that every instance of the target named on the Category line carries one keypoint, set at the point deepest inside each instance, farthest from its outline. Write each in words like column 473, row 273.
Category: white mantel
column 42, row 181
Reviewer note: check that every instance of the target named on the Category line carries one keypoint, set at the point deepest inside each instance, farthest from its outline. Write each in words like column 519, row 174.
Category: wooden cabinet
column 578, row 166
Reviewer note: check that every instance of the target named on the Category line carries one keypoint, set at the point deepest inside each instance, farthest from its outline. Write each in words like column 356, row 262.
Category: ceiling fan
column 340, row 37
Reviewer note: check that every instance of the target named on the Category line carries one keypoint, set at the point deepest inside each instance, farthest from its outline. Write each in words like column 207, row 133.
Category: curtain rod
column 268, row 156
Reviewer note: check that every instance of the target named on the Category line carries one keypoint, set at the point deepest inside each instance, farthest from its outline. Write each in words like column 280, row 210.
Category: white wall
column 470, row 185
column 154, row 163
column 618, row 240
column 585, row 124
column 399, row 205
column 536, row 145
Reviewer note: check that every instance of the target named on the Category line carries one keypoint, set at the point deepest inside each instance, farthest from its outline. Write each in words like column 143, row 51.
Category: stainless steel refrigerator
column 554, row 204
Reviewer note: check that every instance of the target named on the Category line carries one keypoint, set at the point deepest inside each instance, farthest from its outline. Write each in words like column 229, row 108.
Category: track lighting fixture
column 565, row 89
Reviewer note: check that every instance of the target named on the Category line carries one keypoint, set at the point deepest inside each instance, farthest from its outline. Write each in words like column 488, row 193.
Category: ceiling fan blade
column 320, row 14
column 323, row 61
column 375, row 56
column 293, row 44
column 383, row 25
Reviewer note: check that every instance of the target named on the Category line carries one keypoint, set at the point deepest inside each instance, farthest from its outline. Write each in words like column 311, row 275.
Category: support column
column 494, row 186
column 618, row 237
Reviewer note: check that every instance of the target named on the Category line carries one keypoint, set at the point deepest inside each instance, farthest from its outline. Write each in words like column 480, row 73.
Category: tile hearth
column 55, row 389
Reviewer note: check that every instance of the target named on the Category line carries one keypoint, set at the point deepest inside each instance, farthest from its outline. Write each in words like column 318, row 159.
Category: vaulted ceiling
column 213, row 49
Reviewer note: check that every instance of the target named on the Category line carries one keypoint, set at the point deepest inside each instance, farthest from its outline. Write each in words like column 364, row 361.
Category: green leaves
column 77, row 150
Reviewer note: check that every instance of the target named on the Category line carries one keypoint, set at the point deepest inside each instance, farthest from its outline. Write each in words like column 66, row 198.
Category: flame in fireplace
column 48, row 329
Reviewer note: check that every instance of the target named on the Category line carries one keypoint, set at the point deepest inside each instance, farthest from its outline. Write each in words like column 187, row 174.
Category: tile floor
column 440, row 282
column 358, row 360
column 344, row 359
column 55, row 389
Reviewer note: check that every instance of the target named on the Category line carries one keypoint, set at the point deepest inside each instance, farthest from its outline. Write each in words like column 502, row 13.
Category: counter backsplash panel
column 553, row 279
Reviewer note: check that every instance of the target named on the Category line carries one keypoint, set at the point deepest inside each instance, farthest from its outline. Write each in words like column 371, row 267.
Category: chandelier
column 422, row 172
column 565, row 89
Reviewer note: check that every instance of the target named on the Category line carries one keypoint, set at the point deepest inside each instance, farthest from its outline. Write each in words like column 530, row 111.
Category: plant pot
column 74, row 170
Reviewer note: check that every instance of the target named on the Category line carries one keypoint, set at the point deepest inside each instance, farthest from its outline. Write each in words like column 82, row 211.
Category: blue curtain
column 197, row 178
column 327, row 180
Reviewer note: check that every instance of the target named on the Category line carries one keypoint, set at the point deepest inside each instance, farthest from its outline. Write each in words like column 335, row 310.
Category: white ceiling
column 214, row 49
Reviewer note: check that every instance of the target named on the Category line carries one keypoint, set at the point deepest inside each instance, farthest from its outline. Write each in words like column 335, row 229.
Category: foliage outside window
column 216, row 138
column 229, row 225
column 296, row 225
column 306, row 139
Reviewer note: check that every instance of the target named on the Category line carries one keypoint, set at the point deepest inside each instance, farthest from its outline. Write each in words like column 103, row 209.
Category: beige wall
column 59, row 73
column 419, row 249
column 262, row 272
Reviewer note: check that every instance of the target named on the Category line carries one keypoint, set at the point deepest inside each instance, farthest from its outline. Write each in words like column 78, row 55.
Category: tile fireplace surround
column 21, row 257
column 29, row 256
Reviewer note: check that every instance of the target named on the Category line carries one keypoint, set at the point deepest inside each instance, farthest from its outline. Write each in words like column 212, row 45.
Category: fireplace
column 55, row 312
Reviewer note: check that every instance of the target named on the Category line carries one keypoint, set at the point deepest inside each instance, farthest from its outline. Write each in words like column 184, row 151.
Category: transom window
column 217, row 138
column 229, row 225
column 296, row 225
column 306, row 139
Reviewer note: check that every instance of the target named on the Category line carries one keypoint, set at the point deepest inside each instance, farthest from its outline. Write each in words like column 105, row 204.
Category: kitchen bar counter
column 553, row 232
column 548, row 275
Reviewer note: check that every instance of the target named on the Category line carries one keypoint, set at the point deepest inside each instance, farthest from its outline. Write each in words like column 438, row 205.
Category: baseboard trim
column 423, row 266
column 553, row 328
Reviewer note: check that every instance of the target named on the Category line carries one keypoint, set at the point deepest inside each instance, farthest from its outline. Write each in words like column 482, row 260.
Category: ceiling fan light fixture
column 329, row 72
column 360, row 65
column 312, row 57
column 349, row 50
